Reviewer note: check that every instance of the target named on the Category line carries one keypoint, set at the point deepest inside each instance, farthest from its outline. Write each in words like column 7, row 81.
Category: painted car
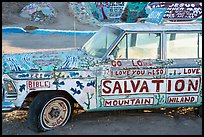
column 123, row 66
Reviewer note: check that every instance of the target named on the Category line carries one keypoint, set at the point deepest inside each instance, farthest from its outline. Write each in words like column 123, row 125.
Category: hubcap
column 55, row 113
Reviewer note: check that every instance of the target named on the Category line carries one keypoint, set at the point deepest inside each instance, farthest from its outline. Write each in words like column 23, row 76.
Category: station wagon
column 123, row 66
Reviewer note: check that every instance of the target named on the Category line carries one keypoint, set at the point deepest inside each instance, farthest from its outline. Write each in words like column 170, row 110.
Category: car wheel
column 48, row 111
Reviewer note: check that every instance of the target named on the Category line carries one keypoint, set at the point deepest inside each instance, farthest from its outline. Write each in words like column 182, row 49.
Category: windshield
column 101, row 41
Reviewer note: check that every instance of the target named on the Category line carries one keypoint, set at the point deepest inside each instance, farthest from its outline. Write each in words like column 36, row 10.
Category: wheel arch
column 31, row 96
column 36, row 116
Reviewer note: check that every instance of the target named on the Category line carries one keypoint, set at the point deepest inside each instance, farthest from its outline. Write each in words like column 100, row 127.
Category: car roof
column 158, row 27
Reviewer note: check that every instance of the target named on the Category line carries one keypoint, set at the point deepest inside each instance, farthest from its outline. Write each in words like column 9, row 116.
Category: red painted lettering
column 158, row 82
column 33, row 84
column 117, row 87
column 181, row 83
column 142, row 72
column 169, row 85
column 144, row 86
column 133, row 63
column 37, row 84
column 108, row 89
column 185, row 72
column 133, row 85
column 125, row 88
column 172, row 100
column 190, row 85
column 182, row 99
column 149, row 73
column 107, row 103
column 114, row 102
column 192, row 99
column 30, row 84
column 191, row 71
column 162, row 71
column 46, row 85
column 116, row 63
column 126, row 102
column 113, row 63
column 139, row 62
column 119, row 102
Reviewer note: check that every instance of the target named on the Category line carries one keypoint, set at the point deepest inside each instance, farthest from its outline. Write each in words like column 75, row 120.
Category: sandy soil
column 133, row 122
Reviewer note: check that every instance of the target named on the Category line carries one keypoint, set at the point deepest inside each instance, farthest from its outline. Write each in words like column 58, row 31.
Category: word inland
column 137, row 86
column 182, row 99
column 37, row 84
column 128, row 102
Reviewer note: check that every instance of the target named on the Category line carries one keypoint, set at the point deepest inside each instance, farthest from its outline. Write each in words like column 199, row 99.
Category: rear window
column 184, row 45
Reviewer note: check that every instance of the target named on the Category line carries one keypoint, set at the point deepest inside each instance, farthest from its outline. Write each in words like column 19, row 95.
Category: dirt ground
column 133, row 122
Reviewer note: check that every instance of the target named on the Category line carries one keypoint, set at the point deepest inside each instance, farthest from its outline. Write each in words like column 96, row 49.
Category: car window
column 101, row 41
column 184, row 45
column 200, row 45
column 138, row 46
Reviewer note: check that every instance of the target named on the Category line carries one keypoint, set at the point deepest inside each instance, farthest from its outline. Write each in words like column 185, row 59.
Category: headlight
column 9, row 91
column 9, row 86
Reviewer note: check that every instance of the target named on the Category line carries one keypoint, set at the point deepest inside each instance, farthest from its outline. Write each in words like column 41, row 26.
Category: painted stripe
column 9, row 30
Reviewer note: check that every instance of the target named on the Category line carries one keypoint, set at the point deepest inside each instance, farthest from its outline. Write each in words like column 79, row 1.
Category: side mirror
column 110, row 57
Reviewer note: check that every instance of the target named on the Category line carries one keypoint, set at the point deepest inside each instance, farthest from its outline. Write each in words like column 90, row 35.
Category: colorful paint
column 179, row 11
column 130, row 12
column 34, row 7
column 103, row 83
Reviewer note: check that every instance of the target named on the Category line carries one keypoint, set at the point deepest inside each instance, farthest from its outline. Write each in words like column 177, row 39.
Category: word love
column 191, row 71
column 137, row 72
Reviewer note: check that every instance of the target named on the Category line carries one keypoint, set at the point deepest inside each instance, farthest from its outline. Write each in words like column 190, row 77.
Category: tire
column 48, row 111
column 200, row 111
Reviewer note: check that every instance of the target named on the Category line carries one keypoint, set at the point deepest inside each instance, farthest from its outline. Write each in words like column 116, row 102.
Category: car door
column 135, row 75
column 184, row 57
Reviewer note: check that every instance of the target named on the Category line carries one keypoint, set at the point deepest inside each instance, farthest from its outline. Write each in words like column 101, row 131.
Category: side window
column 200, row 45
column 144, row 46
column 138, row 46
column 183, row 45
column 121, row 49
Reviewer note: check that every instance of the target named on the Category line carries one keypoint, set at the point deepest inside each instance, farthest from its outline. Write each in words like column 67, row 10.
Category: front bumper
column 8, row 106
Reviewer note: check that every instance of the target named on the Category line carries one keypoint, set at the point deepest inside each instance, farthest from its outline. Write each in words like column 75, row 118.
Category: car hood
column 47, row 61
